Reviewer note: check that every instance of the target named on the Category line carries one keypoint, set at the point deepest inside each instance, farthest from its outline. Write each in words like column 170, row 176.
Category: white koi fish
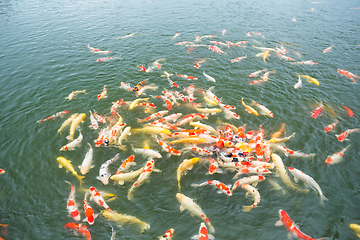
column 308, row 62
column 144, row 176
column 308, row 181
column 104, row 174
column 209, row 78
column 265, row 49
column 126, row 86
column 94, row 124
column 299, row 83
column 328, row 49
column 263, row 109
column 336, row 157
column 254, row 74
column 120, row 178
column 130, row 35
column 72, row 145
column 187, row 203
column 238, row 59
column 87, row 163
column 221, row 186
column 256, row 196
column 230, row 114
column 175, row 36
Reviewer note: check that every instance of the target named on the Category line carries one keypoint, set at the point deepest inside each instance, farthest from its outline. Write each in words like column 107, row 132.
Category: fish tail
column 80, row 178
column 144, row 226
column 311, row 155
column 322, row 199
column 247, row 208
column 130, row 195
column 195, row 185
column 210, row 228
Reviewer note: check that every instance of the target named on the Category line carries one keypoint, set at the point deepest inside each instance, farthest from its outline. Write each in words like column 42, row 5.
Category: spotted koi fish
column 71, row 205
column 97, row 198
column 221, row 186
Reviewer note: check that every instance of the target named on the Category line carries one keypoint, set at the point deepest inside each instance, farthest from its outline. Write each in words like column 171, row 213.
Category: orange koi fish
column 203, row 233
column 125, row 165
column 79, row 228
column 348, row 111
column 103, row 94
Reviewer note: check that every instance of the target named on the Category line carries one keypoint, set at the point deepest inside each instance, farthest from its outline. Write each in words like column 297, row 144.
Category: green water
column 44, row 57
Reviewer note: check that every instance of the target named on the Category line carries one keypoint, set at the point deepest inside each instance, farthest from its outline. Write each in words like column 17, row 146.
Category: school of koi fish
column 247, row 156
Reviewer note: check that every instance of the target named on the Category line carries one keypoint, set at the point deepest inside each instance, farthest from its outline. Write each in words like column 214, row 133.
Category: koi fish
column 94, row 124
column 203, row 233
column 254, row 74
column 99, row 118
column 121, row 219
column 72, row 94
column 238, row 59
column 230, row 114
column 154, row 116
column 67, row 122
column 209, row 78
column 103, row 94
column 172, row 83
column 308, row 62
column 248, row 180
column 278, row 133
column 249, row 109
column 166, row 100
column 256, row 82
column 216, row 49
column 348, row 111
column 79, row 228
column 293, row 229
column 221, row 186
column 72, row 145
column 115, row 106
column 122, row 177
column 186, row 165
column 147, row 152
column 167, row 148
column 265, row 77
column 223, row 32
column 97, row 198
column 308, row 181
column 187, row 203
column 2, row 171
column 285, row 57
column 104, row 174
column 343, row 135
column 63, row 162
column 336, row 157
column 328, row 49
column 89, row 212
column 280, row 169
column 330, row 127
column 219, row 43
column 126, row 86
column 214, row 167
column 187, row 77
column 71, row 205
column 256, row 196
column 186, row 43
column 96, row 50
column 144, row 176
column 356, row 228
column 263, row 109
column 125, row 165
column 175, row 36
column 292, row 153
column 77, row 121
column 299, row 83
column 204, row 126
column 347, row 74
column 168, row 235
column 105, row 59
column 54, row 116
column 266, row 55
column 317, row 111
column 130, row 35
column 279, row 140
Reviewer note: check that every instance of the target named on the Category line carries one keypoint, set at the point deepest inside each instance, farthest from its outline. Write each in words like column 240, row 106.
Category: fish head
column 180, row 196
column 71, row 225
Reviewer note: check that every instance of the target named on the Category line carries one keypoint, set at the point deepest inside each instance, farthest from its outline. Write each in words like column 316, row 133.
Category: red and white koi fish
column 265, row 77
column 219, row 43
column 166, row 100
column 72, row 145
column 199, row 150
column 203, row 234
column 103, row 94
column 256, row 82
column 186, row 43
column 241, row 42
column 207, row 36
column 125, row 165
column 105, row 59
column 2, row 171
column 308, row 181
column 54, row 116
column 198, row 62
column 130, row 35
column 71, row 205
column 154, row 116
column 348, row 111
column 247, row 180
column 211, row 95
column 214, row 166
column 172, row 83
column 175, row 36
column 233, row 44
column 172, row 117
column 187, row 203
column 144, row 88
column 221, row 186
column 142, row 68
column 97, row 198
column 156, row 63
column 187, row 77
column 167, row 148
column 89, row 212
column 330, row 127
column 254, row 74
column 94, row 124
column 293, row 229
column 238, row 59
column 259, row 34
column 285, row 57
column 256, row 196
column 328, row 49
column 189, row 118
column 168, row 235
column 216, row 49
column 126, row 86
column 263, row 109
column 99, row 118
column 190, row 92
column 308, row 62
column 223, row 32
column 230, row 114
column 144, row 175
column 104, row 174
column 292, row 153
column 347, row 74
column 96, row 50
column 79, row 228
column 317, row 111
column 336, row 157
column 115, row 106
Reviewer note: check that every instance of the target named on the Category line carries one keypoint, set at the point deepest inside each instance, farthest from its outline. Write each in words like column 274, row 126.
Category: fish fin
column 247, row 208
column 219, row 191
column 290, row 235
column 322, row 199
column 156, row 170
column 60, row 166
column 296, row 179
column 196, row 237
column 211, row 237
column 121, row 182
column 130, row 196
column 96, row 215
column 195, row 185
column 255, row 184
column 182, row 208
column 279, row 223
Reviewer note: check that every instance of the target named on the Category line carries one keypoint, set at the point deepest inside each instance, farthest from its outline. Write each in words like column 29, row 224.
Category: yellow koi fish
column 79, row 119
column 121, row 219
column 152, row 130
column 63, row 162
column 136, row 101
column 311, row 79
column 186, row 165
column 67, row 122
column 249, row 109
column 72, row 94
